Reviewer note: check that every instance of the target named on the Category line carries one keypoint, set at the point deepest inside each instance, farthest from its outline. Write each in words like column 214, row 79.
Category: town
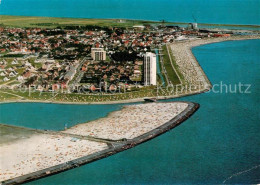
column 91, row 58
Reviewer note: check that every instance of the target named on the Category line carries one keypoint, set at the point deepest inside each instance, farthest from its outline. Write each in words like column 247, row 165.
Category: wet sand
column 10, row 133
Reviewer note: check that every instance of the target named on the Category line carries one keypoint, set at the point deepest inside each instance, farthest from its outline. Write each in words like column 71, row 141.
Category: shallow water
column 51, row 116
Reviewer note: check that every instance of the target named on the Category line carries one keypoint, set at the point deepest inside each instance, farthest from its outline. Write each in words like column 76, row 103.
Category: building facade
column 98, row 54
column 150, row 69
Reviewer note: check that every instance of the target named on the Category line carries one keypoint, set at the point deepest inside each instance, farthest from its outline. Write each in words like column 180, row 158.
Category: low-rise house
column 3, row 74
column 10, row 69
column 15, row 62
column 20, row 78
column 137, row 72
column 6, row 79
column 3, row 62
column 12, row 74
column 27, row 74
column 70, row 74
column 28, row 64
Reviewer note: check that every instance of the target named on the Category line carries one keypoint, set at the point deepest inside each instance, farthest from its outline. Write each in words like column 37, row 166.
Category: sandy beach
column 130, row 122
column 42, row 151
column 188, row 65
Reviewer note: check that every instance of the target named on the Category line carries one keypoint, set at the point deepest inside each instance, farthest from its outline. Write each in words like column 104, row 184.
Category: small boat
column 150, row 99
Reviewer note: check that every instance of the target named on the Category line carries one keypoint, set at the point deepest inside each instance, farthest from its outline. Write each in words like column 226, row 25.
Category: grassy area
column 7, row 97
column 34, row 64
column 136, row 93
column 52, row 22
column 176, row 67
column 75, row 97
column 229, row 25
column 14, row 83
column 173, row 77
column 162, row 74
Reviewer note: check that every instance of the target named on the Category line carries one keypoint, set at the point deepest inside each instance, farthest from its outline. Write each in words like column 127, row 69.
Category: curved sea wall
column 113, row 147
column 194, row 75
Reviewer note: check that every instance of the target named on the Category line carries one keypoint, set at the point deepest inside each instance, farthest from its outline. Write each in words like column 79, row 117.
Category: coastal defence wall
column 114, row 147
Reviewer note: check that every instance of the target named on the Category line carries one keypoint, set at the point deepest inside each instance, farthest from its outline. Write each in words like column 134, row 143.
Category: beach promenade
column 188, row 65
column 195, row 80
column 45, row 153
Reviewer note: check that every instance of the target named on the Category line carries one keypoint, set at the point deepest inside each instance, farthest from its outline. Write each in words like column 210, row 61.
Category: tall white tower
column 149, row 69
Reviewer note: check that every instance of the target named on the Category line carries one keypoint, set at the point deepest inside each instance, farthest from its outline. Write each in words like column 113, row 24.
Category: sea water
column 201, row 11
column 51, row 116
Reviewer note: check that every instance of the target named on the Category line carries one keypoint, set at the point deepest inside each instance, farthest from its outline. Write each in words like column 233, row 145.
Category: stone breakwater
column 46, row 154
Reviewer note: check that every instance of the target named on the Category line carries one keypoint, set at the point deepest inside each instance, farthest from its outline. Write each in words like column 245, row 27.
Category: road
column 79, row 74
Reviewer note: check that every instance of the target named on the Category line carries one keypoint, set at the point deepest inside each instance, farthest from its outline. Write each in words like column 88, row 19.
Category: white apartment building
column 98, row 54
column 149, row 69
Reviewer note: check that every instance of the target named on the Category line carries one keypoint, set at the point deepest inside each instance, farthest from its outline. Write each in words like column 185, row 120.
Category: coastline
column 114, row 148
column 93, row 157
column 138, row 20
column 183, row 58
column 216, row 145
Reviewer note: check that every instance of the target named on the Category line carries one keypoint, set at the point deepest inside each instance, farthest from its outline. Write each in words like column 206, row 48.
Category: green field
column 12, row 95
column 52, row 22
column 172, row 76
column 6, row 95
